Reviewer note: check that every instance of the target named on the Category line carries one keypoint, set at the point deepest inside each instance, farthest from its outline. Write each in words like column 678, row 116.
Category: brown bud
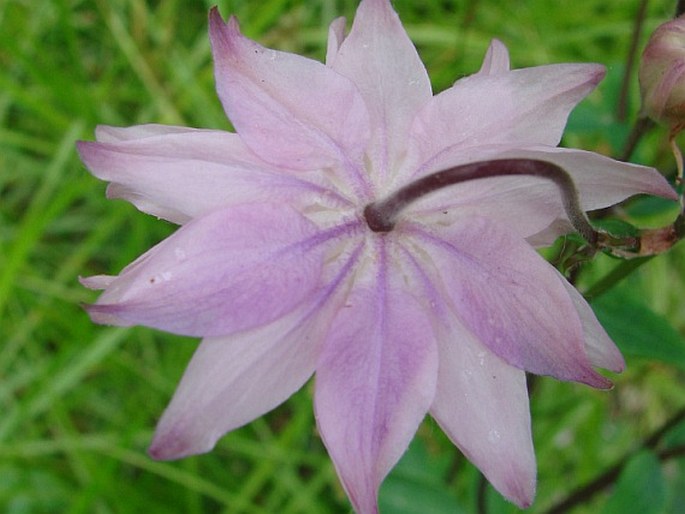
column 662, row 74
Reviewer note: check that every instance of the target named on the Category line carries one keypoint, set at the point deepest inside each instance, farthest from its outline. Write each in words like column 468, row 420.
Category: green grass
column 78, row 402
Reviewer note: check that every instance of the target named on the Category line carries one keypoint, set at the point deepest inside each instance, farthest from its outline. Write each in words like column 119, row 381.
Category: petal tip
column 666, row 191
column 83, row 147
column 104, row 314
column 220, row 30
column 613, row 361
column 523, row 494
column 496, row 58
column 91, row 153
column 519, row 484
column 598, row 73
column 215, row 16
column 96, row 281
column 217, row 23
column 177, row 442
column 168, row 447
column 597, row 381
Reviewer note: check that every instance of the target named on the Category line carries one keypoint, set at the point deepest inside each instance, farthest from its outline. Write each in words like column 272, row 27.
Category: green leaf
column 616, row 227
column 640, row 487
column 637, row 330
column 652, row 210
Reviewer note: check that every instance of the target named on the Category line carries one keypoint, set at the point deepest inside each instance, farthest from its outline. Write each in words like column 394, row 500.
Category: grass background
column 78, row 402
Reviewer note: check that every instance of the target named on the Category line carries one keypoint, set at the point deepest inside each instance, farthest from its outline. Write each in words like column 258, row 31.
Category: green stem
column 609, row 476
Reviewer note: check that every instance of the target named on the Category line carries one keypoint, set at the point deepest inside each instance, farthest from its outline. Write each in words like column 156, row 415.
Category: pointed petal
column 496, row 59
column 510, row 299
column 230, row 270
column 600, row 181
column 179, row 174
column 374, row 383
column 97, row 281
column 232, row 380
column 291, row 111
column 481, row 402
column 229, row 382
column 336, row 35
column 519, row 108
column 381, row 60
column 601, row 350
column 482, row 405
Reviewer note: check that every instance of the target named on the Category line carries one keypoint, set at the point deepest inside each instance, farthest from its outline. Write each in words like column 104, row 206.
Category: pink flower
column 277, row 269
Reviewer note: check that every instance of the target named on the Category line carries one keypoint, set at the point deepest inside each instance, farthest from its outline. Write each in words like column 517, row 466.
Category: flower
column 662, row 74
column 276, row 267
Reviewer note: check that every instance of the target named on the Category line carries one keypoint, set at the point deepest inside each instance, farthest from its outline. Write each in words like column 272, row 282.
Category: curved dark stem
column 620, row 272
column 680, row 9
column 453, row 469
column 482, row 495
column 622, row 107
column 671, row 453
column 641, row 127
column 679, row 226
column 607, row 478
column 653, row 440
column 470, row 13
column 381, row 216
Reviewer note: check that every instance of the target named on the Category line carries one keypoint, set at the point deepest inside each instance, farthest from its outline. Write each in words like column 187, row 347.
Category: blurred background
column 79, row 402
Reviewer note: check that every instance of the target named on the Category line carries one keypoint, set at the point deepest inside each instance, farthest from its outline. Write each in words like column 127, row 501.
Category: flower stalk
column 382, row 216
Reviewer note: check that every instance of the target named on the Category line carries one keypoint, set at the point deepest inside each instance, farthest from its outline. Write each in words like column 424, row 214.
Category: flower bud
column 662, row 74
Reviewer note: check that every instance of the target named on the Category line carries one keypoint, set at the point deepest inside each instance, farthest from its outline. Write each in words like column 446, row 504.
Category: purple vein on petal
column 376, row 376
column 382, row 289
column 207, row 314
column 344, row 271
column 324, row 236
column 435, row 299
